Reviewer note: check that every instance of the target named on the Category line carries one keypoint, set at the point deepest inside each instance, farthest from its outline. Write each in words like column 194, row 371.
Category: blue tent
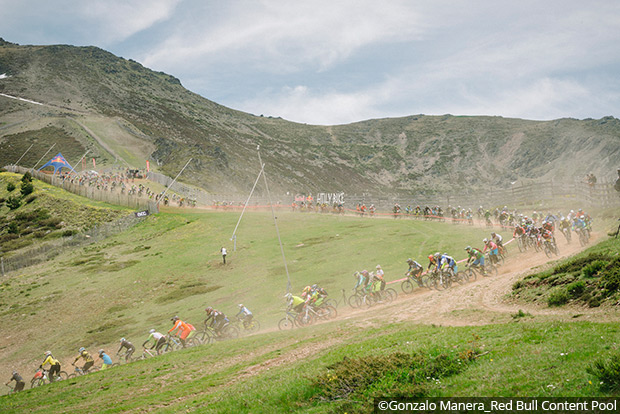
column 58, row 162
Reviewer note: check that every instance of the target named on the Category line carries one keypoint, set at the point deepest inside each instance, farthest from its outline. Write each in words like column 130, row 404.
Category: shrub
column 27, row 188
column 27, row 178
column 30, row 198
column 576, row 289
column 610, row 276
column 13, row 229
column 13, row 203
column 558, row 297
column 594, row 267
column 607, row 372
column 10, row 187
column 68, row 233
column 578, row 264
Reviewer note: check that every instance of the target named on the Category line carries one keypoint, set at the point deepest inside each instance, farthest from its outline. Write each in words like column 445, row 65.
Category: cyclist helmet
column 485, row 241
column 493, row 234
column 101, row 351
column 288, row 295
column 409, row 260
column 431, row 257
column 174, row 318
column 14, row 372
column 48, row 353
column 122, row 339
column 468, row 248
column 209, row 309
column 152, row 331
column 378, row 266
column 240, row 305
column 82, row 349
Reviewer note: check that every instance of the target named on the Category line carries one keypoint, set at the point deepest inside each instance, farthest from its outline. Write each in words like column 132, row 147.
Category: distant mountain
column 126, row 114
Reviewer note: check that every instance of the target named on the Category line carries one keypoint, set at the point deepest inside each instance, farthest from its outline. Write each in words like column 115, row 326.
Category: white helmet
column 152, row 331
column 485, row 241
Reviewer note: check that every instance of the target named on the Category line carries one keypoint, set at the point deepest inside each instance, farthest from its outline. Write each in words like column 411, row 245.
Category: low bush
column 607, row 372
column 10, row 187
column 558, row 297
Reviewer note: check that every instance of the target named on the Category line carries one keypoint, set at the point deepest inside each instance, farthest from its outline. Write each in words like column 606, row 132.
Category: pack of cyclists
column 539, row 227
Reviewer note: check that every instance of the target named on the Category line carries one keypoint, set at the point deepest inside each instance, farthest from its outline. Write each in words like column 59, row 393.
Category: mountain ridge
column 148, row 115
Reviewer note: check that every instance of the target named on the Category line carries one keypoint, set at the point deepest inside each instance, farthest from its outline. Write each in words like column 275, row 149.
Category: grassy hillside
column 129, row 114
column 45, row 214
column 170, row 264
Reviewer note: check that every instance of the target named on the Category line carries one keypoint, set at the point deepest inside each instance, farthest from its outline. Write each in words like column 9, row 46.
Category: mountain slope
column 127, row 114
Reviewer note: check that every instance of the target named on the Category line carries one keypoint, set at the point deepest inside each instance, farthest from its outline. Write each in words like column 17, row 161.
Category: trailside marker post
column 234, row 235
column 173, row 181
column 273, row 213
column 20, row 158
column 37, row 163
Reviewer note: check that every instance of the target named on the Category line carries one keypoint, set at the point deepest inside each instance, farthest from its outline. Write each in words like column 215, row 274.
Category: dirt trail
column 482, row 301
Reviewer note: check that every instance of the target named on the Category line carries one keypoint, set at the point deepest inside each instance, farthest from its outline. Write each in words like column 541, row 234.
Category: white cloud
column 116, row 20
column 286, row 36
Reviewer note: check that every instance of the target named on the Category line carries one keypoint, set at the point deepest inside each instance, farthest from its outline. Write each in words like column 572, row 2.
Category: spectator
column 223, row 250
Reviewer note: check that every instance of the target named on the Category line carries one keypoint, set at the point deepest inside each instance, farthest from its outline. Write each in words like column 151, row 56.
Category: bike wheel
column 471, row 275
column 37, row 383
column 547, row 250
column 355, row 301
column 230, row 332
column 331, row 302
column 392, row 293
column 253, row 326
column 286, row 323
column 491, row 269
column 407, row 287
column 445, row 280
column 304, row 319
column 62, row 375
column 367, row 301
column 331, row 312
column 461, row 278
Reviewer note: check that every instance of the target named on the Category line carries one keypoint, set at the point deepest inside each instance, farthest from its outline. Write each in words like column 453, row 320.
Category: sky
column 341, row 61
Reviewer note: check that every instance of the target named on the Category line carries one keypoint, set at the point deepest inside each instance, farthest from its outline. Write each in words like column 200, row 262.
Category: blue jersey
column 106, row 359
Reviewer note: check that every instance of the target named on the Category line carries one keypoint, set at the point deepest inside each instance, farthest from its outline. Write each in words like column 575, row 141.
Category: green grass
column 591, row 278
column 170, row 264
column 267, row 373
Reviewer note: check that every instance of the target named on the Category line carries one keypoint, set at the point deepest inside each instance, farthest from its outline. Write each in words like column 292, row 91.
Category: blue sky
column 335, row 62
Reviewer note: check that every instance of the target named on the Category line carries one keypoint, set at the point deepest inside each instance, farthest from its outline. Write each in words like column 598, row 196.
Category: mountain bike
column 550, row 248
column 412, row 277
column 247, row 327
column 288, row 322
column 209, row 334
column 567, row 234
column 472, row 271
column 11, row 389
column 79, row 371
column 311, row 314
column 583, row 236
column 522, row 243
column 354, row 301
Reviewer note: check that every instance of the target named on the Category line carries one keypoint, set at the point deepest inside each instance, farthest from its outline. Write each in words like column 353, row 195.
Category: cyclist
column 362, row 279
column 415, row 271
column 107, row 361
column 130, row 349
column 88, row 360
column 433, row 261
column 497, row 239
column 54, row 365
column 378, row 276
column 447, row 262
column 476, row 258
column 244, row 315
column 216, row 318
column 295, row 303
column 19, row 382
column 492, row 247
column 183, row 330
column 159, row 340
